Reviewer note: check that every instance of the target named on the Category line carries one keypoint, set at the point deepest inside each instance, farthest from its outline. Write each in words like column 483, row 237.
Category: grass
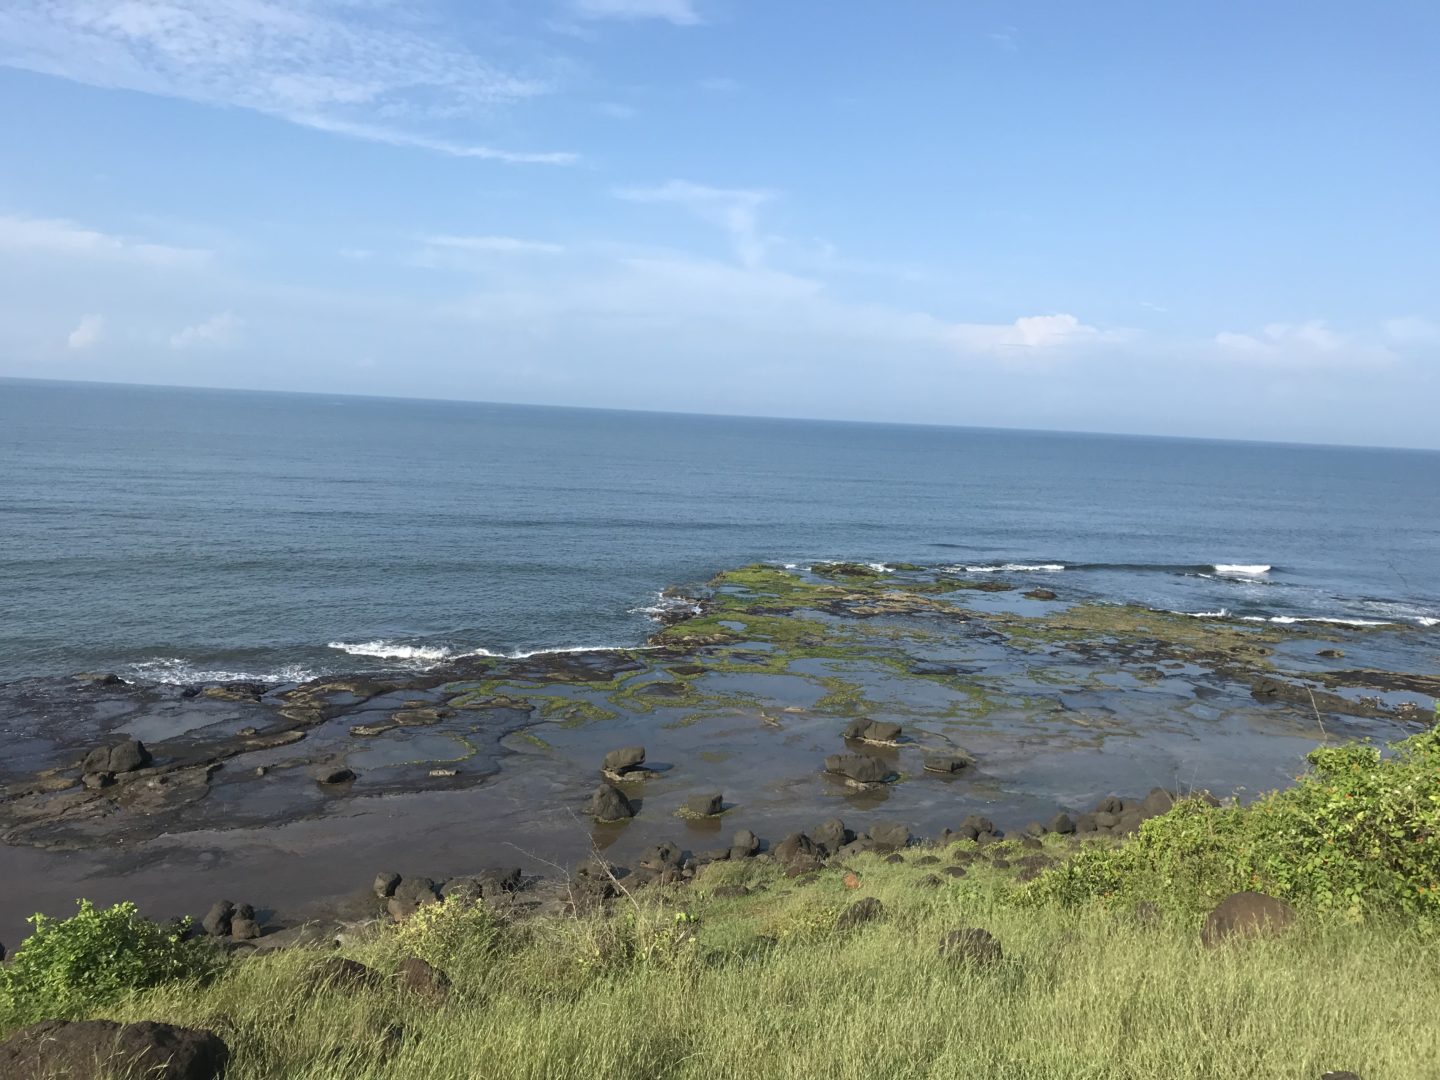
column 764, row 987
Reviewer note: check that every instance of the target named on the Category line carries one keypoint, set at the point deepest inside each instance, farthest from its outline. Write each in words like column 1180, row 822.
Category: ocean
column 182, row 535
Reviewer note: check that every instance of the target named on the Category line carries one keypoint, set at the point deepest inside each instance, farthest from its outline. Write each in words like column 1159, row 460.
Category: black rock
column 704, row 805
column 862, row 911
column 889, row 835
column 624, row 759
column 795, row 848
column 338, row 973
column 217, row 920
column 971, row 947
column 857, row 728
column 882, row 731
column 333, row 775
column 945, row 763
column 93, row 1048
column 1062, row 823
column 423, row 980
column 118, row 757
column 745, row 844
column 609, row 804
column 831, row 836
column 862, row 768
column 385, row 884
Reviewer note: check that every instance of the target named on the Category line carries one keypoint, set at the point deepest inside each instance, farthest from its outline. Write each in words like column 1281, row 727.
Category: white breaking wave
column 391, row 650
column 171, row 669
column 880, row 568
column 1287, row 620
column 668, row 605
column 1221, row 614
column 1426, row 620
column 1005, row 568
column 1242, row 569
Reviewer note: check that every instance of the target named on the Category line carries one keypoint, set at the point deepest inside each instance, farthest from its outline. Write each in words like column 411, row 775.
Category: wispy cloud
column 509, row 245
column 679, row 12
column 218, row 331
column 1412, row 330
column 736, row 210
column 360, row 69
column 720, row 84
column 57, row 236
column 89, row 332
column 1305, row 344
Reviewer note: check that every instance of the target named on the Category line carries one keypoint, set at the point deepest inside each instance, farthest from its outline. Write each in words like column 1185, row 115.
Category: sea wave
column 1242, row 569
column 1005, row 568
column 179, row 672
column 668, row 607
column 393, row 650
column 1221, row 614
column 1335, row 620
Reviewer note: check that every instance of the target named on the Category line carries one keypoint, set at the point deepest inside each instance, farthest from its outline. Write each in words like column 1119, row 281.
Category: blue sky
column 1215, row 218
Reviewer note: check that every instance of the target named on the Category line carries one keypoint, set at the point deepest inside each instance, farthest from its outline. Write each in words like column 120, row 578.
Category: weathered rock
column 861, row 768
column 971, row 947
column 862, row 911
column 85, row 1049
column 1040, row 594
column 609, row 803
column 1104, row 819
column 882, row 731
column 1062, row 823
column 1157, row 802
column 385, row 884
column 857, row 728
column 704, row 805
column 118, row 757
column 624, row 759
column 1332, row 654
column 94, row 781
column 1032, row 829
column 895, row 859
column 1086, row 823
column 973, row 826
column 339, row 973
column 945, row 764
column 409, row 897
column 661, row 857
column 795, row 848
column 423, row 980
column 333, row 775
column 745, row 844
column 1246, row 915
column 889, row 835
column 831, row 836
column 956, row 871
column 218, row 919
column 244, row 928
column 1111, row 804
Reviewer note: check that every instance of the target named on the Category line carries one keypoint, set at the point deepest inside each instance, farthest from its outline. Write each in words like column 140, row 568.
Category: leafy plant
column 1359, row 836
column 68, row 966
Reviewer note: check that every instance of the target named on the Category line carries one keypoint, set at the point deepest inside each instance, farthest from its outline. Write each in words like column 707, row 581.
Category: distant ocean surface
column 184, row 535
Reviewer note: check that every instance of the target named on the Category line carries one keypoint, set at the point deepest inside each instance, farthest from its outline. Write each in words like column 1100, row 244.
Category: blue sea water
column 182, row 534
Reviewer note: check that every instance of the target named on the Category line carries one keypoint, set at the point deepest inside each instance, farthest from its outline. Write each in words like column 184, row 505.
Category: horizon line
column 717, row 415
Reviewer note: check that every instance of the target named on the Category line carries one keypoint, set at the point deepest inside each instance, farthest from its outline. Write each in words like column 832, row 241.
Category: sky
column 1198, row 217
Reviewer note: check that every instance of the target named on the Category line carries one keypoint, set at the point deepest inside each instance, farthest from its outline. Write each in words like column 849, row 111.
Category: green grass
column 763, row 986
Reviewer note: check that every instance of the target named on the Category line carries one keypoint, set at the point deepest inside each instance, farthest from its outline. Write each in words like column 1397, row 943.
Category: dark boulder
column 609, row 803
column 423, row 980
column 882, row 731
column 796, row 848
column 118, row 757
column 1246, row 915
column 1086, row 823
column 624, row 759
column 333, row 775
column 1040, row 594
column 385, row 884
column 410, row 896
column 218, row 919
column 1111, row 804
column 862, row 911
column 857, row 728
column 704, row 805
column 861, row 768
column 831, row 836
column 945, row 764
column 661, row 857
column 956, row 871
column 94, row 1048
column 971, row 947
column 339, row 973
column 889, row 835
column 1157, row 802
column 745, row 844
column 243, row 924
column 1062, row 823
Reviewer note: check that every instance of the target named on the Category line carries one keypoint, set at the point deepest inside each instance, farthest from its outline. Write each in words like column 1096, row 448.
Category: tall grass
column 764, row 987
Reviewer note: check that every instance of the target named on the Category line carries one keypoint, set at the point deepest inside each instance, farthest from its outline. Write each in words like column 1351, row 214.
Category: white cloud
column 219, row 331
column 1412, row 330
column 1031, row 332
column 89, row 332
column 359, row 67
column 450, row 148
column 736, row 210
column 679, row 12
column 509, row 245
column 1306, row 344
column 56, row 236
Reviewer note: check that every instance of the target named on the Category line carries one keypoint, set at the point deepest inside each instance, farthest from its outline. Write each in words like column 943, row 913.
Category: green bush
column 1358, row 836
column 70, row 966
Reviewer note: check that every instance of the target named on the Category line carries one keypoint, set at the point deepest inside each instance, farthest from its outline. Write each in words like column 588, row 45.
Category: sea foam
column 1242, row 569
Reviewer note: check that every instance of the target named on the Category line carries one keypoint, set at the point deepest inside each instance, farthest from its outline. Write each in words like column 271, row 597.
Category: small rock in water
column 333, row 776
column 861, row 768
column 704, row 805
column 626, row 759
column 945, row 763
column 443, row 773
column 609, row 803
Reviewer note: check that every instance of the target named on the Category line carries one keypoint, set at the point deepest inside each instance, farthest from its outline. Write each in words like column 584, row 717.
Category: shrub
column 1359, row 836
column 457, row 932
column 69, row 966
